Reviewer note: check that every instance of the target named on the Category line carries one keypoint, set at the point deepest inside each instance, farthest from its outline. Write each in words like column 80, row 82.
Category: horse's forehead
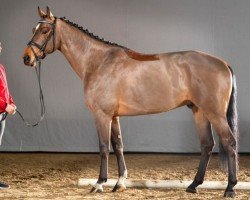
column 37, row 26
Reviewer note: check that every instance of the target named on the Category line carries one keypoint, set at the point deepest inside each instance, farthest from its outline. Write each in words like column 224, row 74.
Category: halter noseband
column 44, row 45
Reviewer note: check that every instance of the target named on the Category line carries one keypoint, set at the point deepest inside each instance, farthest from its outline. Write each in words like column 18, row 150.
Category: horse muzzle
column 29, row 58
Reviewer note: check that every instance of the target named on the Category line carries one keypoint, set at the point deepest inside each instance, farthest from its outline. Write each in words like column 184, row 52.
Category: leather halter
column 38, row 69
column 44, row 45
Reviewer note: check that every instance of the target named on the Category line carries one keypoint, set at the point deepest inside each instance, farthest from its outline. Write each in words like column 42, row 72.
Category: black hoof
column 191, row 190
column 230, row 194
column 95, row 190
column 4, row 186
column 118, row 188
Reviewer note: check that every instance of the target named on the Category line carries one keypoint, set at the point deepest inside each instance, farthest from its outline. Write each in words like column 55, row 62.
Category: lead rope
column 38, row 74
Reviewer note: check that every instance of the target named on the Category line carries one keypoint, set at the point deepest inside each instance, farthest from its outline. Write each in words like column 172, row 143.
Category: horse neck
column 82, row 52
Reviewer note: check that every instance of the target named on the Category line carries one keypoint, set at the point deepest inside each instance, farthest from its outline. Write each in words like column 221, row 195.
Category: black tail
column 232, row 118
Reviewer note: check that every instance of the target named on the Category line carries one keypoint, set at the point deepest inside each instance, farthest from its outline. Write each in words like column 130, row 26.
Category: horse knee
column 119, row 148
column 233, row 142
column 207, row 148
column 211, row 145
column 104, row 151
column 229, row 147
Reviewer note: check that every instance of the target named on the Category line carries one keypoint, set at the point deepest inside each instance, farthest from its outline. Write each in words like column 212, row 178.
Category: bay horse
column 118, row 81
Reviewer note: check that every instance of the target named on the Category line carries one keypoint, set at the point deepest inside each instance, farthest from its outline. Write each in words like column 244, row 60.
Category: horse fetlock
column 97, row 188
column 102, row 180
column 233, row 182
column 119, row 187
column 121, row 180
column 195, row 183
column 198, row 182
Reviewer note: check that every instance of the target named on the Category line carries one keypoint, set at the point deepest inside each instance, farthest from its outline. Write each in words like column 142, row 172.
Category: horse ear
column 41, row 13
column 49, row 14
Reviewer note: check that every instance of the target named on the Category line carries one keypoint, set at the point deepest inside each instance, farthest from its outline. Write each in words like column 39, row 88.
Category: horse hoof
column 119, row 188
column 96, row 190
column 191, row 190
column 230, row 194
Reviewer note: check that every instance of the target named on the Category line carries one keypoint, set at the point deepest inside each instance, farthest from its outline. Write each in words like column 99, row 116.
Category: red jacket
column 5, row 97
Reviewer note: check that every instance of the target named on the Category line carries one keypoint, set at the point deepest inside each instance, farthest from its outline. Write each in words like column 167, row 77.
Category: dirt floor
column 55, row 176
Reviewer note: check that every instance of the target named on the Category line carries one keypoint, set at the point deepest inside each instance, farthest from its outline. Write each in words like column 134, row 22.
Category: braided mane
column 86, row 31
column 132, row 54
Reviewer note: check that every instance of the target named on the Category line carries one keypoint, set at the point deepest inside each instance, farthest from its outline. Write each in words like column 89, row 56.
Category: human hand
column 10, row 109
column 13, row 105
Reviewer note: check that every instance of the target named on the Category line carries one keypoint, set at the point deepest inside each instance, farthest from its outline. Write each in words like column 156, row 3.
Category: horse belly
column 150, row 97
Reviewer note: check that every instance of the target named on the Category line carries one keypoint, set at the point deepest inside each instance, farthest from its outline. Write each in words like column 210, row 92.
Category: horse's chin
column 32, row 64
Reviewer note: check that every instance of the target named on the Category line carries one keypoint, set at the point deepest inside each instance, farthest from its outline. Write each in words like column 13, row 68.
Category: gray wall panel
column 219, row 27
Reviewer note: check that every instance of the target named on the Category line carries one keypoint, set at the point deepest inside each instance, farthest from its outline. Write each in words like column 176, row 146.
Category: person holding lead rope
column 7, row 106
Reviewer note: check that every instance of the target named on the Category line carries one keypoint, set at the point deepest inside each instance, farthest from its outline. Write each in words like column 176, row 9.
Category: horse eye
column 44, row 31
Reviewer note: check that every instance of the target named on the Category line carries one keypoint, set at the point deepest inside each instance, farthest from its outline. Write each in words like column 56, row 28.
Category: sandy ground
column 55, row 176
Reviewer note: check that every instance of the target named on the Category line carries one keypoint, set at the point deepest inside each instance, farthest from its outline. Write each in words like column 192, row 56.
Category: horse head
column 43, row 41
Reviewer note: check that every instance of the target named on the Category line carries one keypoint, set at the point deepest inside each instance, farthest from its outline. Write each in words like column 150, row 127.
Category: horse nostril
column 26, row 58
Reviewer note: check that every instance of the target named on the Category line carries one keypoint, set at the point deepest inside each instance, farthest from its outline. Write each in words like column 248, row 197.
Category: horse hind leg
column 207, row 144
column 229, row 143
column 116, row 141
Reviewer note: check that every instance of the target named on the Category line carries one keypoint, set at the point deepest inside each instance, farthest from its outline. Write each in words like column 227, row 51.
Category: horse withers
column 118, row 81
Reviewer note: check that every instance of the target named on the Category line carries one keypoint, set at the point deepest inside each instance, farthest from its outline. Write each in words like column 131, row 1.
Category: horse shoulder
column 99, row 91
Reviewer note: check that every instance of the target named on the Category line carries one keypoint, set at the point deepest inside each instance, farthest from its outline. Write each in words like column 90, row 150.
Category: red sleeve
column 3, row 104
column 3, row 101
column 4, row 92
column 11, row 100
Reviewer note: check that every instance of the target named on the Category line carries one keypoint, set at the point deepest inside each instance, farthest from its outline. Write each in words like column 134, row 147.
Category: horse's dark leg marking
column 116, row 140
column 221, row 126
column 103, row 125
column 207, row 144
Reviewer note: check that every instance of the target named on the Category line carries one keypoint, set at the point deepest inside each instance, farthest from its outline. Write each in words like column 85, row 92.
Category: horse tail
column 232, row 118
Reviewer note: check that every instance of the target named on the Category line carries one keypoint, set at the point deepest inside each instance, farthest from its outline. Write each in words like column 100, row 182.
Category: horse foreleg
column 207, row 144
column 116, row 140
column 103, row 125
